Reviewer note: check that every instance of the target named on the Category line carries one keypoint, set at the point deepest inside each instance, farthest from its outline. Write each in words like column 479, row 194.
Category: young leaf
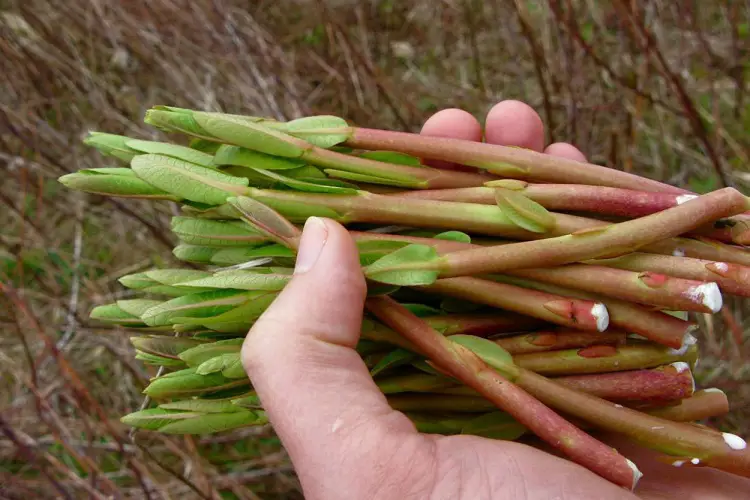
column 153, row 419
column 187, row 180
column 453, row 236
column 196, row 305
column 194, row 253
column 110, row 145
column 173, row 150
column 136, row 281
column 230, row 365
column 202, row 353
column 187, row 382
column 175, row 276
column 114, row 184
column 371, row 179
column 523, row 211
column 201, row 405
column 166, row 347
column 309, row 187
column 112, row 313
column 490, row 352
column 234, row 256
column 152, row 359
column 398, row 268
column 324, row 131
column 196, row 231
column 136, row 307
column 241, row 280
column 211, row 423
column 495, row 425
column 243, row 157
column 205, row 146
column 243, row 314
column 241, row 132
column 422, row 310
column 393, row 157
column 399, row 357
column 266, row 220
column 251, row 401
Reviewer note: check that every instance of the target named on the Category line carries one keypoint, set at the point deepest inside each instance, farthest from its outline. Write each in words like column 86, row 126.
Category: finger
column 565, row 150
column 514, row 123
column 454, row 123
column 300, row 356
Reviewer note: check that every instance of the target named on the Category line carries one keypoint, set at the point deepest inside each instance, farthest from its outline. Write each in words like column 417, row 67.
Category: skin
column 343, row 438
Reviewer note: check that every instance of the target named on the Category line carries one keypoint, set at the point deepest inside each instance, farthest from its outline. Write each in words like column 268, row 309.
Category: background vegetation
column 651, row 86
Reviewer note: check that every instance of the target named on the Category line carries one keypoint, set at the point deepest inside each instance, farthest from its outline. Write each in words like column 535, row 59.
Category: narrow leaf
column 173, row 150
column 243, row 157
column 490, row 352
column 523, row 211
column 397, row 268
column 393, row 157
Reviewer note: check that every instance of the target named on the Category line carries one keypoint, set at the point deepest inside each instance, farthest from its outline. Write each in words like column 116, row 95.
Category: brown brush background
column 654, row 87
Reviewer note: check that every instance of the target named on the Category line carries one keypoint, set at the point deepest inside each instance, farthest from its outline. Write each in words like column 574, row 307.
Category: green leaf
column 230, row 365
column 110, row 145
column 241, row 132
column 112, row 313
column 422, row 310
column 186, row 180
column 490, row 352
column 214, row 422
column 235, row 155
column 399, row 357
column 136, row 307
column 324, row 131
column 454, row 236
column 523, row 211
column 393, row 157
column 136, row 281
column 234, row 256
column 309, row 187
column 411, row 265
column 153, row 419
column 494, row 425
column 175, row 276
column 114, row 184
column 266, row 220
column 196, row 305
column 194, row 253
column 173, row 150
column 241, row 280
column 165, row 347
column 209, row 232
column 201, row 406
column 202, row 353
column 370, row 179
column 251, row 401
column 187, row 382
column 205, row 146
column 151, row 359
column 242, row 315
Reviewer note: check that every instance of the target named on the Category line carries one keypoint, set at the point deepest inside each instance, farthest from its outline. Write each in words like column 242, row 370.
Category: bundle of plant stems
column 531, row 295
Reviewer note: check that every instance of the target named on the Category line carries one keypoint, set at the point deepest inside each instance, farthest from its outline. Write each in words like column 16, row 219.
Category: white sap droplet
column 680, row 366
column 618, row 406
column 599, row 311
column 678, row 252
column 685, row 197
column 687, row 341
column 733, row 441
column 657, row 427
column 695, row 461
column 722, row 266
column 713, row 389
column 678, row 463
column 637, row 474
column 336, row 425
column 707, row 294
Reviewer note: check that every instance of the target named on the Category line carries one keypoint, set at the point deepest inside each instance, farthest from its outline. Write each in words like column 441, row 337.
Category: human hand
column 343, row 438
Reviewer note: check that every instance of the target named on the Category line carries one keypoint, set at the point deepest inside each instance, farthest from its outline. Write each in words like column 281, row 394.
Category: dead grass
column 659, row 89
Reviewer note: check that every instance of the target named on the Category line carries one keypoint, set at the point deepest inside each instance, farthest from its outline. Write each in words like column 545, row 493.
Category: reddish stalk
column 731, row 278
column 504, row 161
column 603, row 359
column 644, row 288
column 608, row 241
column 472, row 371
column 680, row 440
column 484, row 325
column 656, row 326
column 703, row 404
column 555, row 340
column 565, row 311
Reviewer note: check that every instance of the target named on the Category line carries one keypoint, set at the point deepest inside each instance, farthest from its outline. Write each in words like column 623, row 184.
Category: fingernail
column 313, row 240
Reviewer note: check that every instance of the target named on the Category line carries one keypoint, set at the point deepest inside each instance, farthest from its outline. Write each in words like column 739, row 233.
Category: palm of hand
column 344, row 439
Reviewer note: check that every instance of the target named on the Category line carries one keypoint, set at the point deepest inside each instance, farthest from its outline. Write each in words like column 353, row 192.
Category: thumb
column 300, row 356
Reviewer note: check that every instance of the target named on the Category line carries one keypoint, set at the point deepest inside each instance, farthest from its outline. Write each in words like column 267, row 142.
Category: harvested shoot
column 494, row 307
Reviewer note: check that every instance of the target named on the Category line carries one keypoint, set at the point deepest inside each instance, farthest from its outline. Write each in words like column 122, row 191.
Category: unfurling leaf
column 229, row 365
column 194, row 253
column 166, row 347
column 201, row 405
column 187, row 382
column 111, row 145
column 411, row 265
column 241, row 280
column 309, row 187
column 393, row 157
column 212, row 423
column 324, row 131
column 234, row 256
column 112, row 313
column 266, row 220
column 187, row 180
column 393, row 359
column 523, row 211
column 196, row 305
column 136, row 307
column 371, row 179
